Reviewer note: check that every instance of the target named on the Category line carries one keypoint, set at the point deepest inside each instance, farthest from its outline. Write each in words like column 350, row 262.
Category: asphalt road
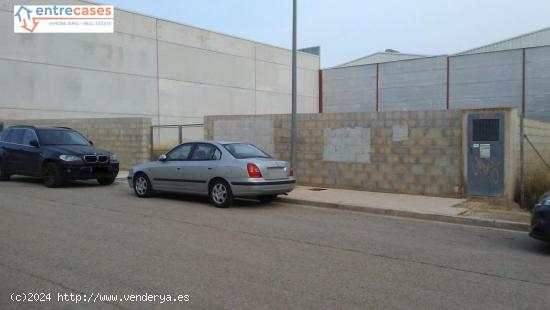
column 88, row 239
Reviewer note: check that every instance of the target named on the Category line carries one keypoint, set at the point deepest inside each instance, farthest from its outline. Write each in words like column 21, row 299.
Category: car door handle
column 178, row 168
column 209, row 168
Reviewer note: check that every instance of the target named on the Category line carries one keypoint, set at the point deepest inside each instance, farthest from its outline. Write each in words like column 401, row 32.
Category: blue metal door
column 486, row 154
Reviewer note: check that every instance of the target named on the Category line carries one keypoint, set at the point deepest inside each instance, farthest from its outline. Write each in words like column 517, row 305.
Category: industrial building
column 148, row 68
column 510, row 73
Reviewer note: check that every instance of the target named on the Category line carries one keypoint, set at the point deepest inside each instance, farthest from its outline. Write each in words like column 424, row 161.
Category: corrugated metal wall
column 537, row 91
column 351, row 89
column 486, row 80
column 474, row 81
column 420, row 82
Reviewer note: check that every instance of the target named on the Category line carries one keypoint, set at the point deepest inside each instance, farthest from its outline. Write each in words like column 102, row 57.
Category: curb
column 408, row 214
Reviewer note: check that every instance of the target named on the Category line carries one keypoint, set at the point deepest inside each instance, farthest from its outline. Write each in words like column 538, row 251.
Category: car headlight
column 113, row 157
column 70, row 158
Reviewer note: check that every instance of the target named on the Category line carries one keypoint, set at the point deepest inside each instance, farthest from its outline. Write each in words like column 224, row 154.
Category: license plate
column 277, row 173
column 100, row 169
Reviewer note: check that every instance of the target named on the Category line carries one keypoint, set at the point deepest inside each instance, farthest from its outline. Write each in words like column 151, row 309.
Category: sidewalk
column 449, row 210
column 412, row 206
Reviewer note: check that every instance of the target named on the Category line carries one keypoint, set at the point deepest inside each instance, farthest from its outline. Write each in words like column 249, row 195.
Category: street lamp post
column 293, row 116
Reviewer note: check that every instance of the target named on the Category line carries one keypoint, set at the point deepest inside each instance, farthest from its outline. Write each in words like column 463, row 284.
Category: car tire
column 51, row 175
column 220, row 194
column 106, row 181
column 267, row 198
column 4, row 175
column 142, row 186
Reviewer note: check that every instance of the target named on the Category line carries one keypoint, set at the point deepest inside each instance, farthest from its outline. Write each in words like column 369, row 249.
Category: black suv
column 54, row 154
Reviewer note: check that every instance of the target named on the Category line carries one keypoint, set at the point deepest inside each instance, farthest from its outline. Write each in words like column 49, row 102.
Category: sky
column 349, row 29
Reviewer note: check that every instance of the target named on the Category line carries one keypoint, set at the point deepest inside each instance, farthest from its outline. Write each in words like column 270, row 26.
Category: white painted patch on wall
column 400, row 133
column 352, row 145
column 256, row 131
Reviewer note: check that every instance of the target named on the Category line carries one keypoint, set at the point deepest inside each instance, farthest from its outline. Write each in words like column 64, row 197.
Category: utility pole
column 293, row 116
column 522, row 136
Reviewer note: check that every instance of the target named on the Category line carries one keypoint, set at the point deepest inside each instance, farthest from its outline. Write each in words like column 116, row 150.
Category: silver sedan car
column 221, row 170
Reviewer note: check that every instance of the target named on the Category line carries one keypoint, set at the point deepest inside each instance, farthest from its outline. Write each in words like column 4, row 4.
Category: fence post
column 180, row 135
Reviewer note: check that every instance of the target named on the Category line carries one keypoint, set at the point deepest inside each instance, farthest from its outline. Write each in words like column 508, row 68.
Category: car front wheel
column 142, row 186
column 220, row 194
column 106, row 181
column 4, row 175
column 51, row 176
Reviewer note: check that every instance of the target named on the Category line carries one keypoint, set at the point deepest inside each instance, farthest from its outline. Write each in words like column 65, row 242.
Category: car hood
column 76, row 149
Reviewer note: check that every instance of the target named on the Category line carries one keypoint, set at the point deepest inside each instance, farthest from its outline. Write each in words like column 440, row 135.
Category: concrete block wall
column 149, row 67
column 258, row 130
column 128, row 138
column 539, row 134
column 416, row 152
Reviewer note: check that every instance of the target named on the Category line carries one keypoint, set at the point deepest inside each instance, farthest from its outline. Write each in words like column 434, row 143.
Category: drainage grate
column 317, row 189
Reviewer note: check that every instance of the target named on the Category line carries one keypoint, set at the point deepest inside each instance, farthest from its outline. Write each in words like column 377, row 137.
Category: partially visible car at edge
column 221, row 170
column 55, row 155
column 540, row 219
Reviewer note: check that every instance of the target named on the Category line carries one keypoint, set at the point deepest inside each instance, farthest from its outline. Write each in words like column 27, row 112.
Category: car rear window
column 245, row 150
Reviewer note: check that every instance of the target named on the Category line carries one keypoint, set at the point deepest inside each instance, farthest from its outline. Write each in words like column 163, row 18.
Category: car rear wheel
column 142, row 186
column 220, row 194
column 106, row 181
column 267, row 198
column 4, row 175
column 51, row 176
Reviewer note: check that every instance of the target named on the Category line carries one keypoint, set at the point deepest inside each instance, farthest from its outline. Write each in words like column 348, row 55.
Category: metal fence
column 165, row 137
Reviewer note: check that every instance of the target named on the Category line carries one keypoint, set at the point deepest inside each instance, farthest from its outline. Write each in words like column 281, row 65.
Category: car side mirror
column 162, row 157
column 91, row 142
column 34, row 143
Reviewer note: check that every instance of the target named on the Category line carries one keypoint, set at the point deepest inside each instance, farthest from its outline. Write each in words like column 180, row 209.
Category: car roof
column 213, row 141
column 37, row 128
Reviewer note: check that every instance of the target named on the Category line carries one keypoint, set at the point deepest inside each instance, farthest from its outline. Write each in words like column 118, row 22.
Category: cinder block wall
column 128, row 138
column 539, row 134
column 405, row 152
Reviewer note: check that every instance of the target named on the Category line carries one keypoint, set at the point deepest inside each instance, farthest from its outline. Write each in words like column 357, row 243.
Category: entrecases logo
column 63, row 19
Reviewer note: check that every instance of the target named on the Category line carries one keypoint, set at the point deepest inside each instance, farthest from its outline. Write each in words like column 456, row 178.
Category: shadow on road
column 239, row 203
column 67, row 184
column 531, row 245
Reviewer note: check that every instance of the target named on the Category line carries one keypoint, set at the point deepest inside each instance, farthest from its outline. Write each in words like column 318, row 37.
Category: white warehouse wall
column 148, row 67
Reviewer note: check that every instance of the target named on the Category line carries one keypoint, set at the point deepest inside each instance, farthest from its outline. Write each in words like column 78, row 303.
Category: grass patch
column 537, row 182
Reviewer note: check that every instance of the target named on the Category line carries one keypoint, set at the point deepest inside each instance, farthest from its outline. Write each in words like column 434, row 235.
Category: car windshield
column 61, row 137
column 243, row 150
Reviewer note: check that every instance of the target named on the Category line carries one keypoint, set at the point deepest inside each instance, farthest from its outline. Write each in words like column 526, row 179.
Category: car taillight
column 253, row 171
column 290, row 172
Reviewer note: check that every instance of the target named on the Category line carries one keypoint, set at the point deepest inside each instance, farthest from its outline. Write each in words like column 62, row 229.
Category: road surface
column 97, row 241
